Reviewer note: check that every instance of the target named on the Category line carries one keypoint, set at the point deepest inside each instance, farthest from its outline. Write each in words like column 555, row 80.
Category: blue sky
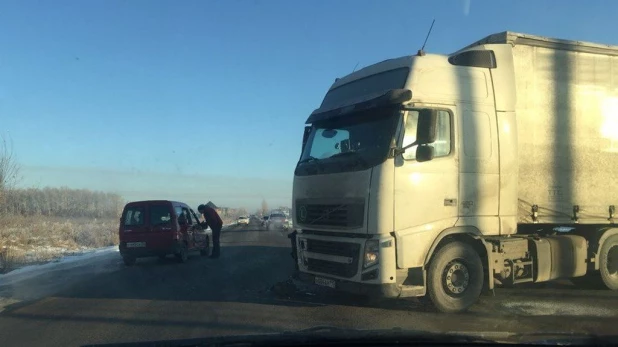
column 206, row 100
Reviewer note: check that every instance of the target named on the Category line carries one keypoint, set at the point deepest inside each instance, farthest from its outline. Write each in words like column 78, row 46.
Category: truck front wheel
column 608, row 262
column 455, row 277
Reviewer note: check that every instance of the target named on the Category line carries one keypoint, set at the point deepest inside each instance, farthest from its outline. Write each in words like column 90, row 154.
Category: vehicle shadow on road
column 248, row 280
column 253, row 227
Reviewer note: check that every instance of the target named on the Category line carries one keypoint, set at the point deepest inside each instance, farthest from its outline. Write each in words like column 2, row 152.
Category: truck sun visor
column 390, row 97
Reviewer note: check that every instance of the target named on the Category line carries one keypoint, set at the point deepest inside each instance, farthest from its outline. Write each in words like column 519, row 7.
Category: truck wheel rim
column 455, row 278
column 612, row 261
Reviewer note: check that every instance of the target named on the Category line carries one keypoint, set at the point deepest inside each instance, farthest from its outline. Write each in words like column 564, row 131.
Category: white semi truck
column 440, row 176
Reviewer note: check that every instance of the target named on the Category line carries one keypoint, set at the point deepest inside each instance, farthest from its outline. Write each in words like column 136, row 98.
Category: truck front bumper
column 380, row 290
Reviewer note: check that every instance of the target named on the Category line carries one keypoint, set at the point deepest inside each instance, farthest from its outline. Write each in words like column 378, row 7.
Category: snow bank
column 65, row 262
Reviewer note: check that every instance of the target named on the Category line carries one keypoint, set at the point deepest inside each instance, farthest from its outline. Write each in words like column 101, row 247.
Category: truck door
column 426, row 192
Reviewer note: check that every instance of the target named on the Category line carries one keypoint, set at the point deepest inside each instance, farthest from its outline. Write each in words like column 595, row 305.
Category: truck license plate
column 325, row 282
column 136, row 244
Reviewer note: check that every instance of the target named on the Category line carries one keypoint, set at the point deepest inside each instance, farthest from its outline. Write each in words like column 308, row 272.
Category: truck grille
column 341, row 215
column 344, row 249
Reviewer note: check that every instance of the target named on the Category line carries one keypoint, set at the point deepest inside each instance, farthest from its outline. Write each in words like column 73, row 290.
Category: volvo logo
column 302, row 213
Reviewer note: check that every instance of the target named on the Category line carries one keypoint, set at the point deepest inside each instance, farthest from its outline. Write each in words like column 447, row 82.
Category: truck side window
column 442, row 146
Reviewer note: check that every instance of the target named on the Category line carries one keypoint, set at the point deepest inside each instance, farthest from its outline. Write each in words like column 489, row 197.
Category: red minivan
column 161, row 227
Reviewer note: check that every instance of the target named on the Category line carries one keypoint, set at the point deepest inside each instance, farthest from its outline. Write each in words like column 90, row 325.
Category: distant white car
column 244, row 220
column 276, row 220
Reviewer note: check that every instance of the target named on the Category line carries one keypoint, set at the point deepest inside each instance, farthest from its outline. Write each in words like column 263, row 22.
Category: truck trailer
column 441, row 176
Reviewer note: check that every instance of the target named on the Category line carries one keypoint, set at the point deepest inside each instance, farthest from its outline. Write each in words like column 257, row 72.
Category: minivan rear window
column 160, row 214
column 134, row 216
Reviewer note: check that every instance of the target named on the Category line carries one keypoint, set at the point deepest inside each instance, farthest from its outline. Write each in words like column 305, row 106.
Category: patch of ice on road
column 557, row 308
column 62, row 263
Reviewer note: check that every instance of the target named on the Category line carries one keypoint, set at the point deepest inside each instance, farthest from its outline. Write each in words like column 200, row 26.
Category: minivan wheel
column 128, row 260
column 206, row 250
column 182, row 256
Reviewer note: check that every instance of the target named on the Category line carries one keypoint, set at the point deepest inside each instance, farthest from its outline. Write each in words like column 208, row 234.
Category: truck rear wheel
column 455, row 277
column 608, row 262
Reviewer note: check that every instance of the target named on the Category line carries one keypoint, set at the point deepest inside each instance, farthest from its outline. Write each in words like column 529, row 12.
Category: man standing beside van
column 215, row 223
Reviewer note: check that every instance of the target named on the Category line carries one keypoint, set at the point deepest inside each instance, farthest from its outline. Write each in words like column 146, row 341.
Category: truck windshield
column 362, row 139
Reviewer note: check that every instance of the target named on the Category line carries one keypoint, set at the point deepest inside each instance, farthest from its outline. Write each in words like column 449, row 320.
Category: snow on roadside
column 73, row 259
column 65, row 262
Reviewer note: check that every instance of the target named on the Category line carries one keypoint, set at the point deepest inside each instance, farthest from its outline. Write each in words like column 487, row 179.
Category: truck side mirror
column 424, row 153
column 426, row 128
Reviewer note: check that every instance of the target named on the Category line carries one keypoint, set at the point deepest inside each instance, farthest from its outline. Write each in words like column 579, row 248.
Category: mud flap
column 488, row 269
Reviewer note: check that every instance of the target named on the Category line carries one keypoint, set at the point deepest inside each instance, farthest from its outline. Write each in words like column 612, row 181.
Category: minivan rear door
column 147, row 225
column 133, row 220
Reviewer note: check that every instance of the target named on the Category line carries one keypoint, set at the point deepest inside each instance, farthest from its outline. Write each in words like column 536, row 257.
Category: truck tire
column 608, row 262
column 455, row 277
column 183, row 254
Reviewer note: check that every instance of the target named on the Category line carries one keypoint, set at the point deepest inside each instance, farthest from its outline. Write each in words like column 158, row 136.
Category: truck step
column 523, row 280
column 408, row 291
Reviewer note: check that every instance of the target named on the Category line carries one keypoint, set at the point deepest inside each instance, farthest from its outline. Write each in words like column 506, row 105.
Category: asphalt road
column 244, row 292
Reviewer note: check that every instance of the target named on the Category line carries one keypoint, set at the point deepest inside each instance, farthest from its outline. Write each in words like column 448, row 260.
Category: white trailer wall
column 567, row 116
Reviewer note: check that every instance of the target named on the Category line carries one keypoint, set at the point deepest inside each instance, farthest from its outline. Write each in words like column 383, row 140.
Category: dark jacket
column 212, row 218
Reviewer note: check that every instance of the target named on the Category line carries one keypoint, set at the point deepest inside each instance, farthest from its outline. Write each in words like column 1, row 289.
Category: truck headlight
column 372, row 253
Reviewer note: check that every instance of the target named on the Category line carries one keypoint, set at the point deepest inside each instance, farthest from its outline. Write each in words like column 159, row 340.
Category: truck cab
column 409, row 179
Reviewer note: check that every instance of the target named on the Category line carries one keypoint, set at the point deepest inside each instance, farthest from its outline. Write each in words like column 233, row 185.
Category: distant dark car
column 161, row 227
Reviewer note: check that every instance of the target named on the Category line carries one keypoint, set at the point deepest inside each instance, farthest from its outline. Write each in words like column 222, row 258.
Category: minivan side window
column 195, row 217
column 178, row 211
column 190, row 220
column 159, row 215
column 134, row 216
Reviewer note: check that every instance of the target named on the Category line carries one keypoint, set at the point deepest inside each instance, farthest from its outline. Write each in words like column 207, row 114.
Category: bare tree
column 264, row 207
column 9, row 168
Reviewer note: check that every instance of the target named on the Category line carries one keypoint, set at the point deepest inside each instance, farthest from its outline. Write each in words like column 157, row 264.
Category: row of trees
column 61, row 202
column 57, row 202
column 9, row 170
